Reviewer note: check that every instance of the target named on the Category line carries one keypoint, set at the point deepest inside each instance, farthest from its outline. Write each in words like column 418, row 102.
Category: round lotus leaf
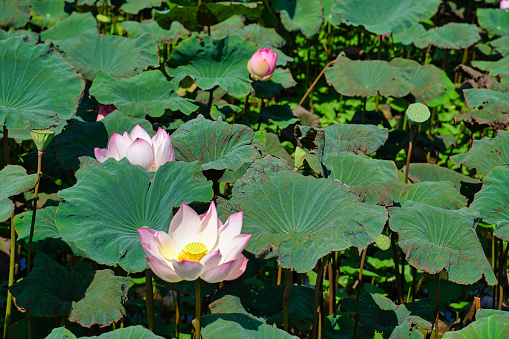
column 148, row 93
column 431, row 172
column 383, row 16
column 61, row 333
column 374, row 181
column 495, row 326
column 501, row 45
column 48, row 12
column 215, row 145
column 417, row 113
column 101, row 214
column 195, row 18
column 161, row 36
column 302, row 15
column 486, row 312
column 91, row 53
column 234, row 326
column 434, row 239
column 44, row 224
column 486, row 153
column 212, row 63
column 33, row 37
column 492, row 201
column 14, row 181
column 39, row 89
column 488, row 99
column 453, row 36
column 72, row 26
column 367, row 78
column 499, row 67
column 14, row 13
column 428, row 80
column 135, row 6
column 414, row 35
column 131, row 332
column 435, row 193
column 494, row 20
column 301, row 219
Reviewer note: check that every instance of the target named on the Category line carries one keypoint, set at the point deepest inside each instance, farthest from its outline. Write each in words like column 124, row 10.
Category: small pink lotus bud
column 104, row 110
column 262, row 64
column 504, row 4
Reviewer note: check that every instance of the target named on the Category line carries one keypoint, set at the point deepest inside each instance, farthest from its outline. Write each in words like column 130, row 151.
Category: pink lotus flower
column 139, row 148
column 504, row 4
column 104, row 110
column 262, row 64
column 197, row 246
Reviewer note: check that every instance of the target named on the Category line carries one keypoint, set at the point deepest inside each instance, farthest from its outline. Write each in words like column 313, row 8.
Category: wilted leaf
column 487, row 99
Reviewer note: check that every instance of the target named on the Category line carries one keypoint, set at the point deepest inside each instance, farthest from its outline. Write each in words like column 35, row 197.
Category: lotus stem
column 198, row 308
column 177, row 313
column 34, row 211
column 314, row 82
column 437, row 302
column 6, row 146
column 244, row 110
column 410, row 145
column 286, row 300
column 427, row 55
column 359, row 286
column 149, row 295
column 8, row 306
column 396, row 267
column 377, row 99
column 211, row 97
column 332, row 297
column 318, row 295
column 279, row 275
column 414, row 277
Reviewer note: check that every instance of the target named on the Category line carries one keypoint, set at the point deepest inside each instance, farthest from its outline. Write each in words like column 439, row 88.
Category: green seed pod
column 42, row 137
column 417, row 113
column 383, row 242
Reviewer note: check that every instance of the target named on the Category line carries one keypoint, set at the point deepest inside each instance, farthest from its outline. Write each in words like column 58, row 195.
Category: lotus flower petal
column 211, row 260
column 101, row 154
column 262, row 64
column 141, row 153
column 240, row 267
column 236, row 246
column 163, row 148
column 139, row 132
column 163, row 271
column 119, row 144
column 207, row 233
column 188, row 270
column 219, row 273
column 183, row 226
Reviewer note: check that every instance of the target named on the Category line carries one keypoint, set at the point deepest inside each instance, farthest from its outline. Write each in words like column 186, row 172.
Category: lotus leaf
column 501, row 45
column 131, row 332
column 148, row 93
column 33, row 37
column 492, row 201
column 279, row 115
column 495, row 21
column 76, row 24
column 495, row 326
column 269, row 144
column 301, row 219
column 453, row 36
column 14, row 13
column 499, row 67
column 487, row 99
column 44, row 224
column 367, row 78
column 14, row 181
column 161, row 36
column 435, row 193
column 48, row 12
column 26, row 70
column 303, row 15
column 101, row 214
column 434, row 239
column 486, row 312
column 281, row 79
column 91, row 53
column 384, row 16
column 431, row 172
column 486, row 153
column 414, row 35
column 134, row 6
column 61, row 333
column 374, row 181
column 214, row 144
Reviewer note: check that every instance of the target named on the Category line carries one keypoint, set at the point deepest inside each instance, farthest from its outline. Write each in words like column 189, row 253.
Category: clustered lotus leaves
column 262, row 64
column 139, row 148
column 197, row 246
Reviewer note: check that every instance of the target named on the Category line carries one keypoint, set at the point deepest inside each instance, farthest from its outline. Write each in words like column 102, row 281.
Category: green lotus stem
column 414, row 277
column 244, row 110
column 211, row 97
column 199, row 2
column 318, row 295
column 359, row 286
column 332, row 297
column 377, row 99
column 409, row 153
column 427, row 55
column 314, row 82
column 149, row 295
column 198, row 309
column 6, row 146
column 8, row 306
column 177, row 313
column 437, row 302
column 34, row 211
column 500, row 273
column 286, row 301
column 396, row 267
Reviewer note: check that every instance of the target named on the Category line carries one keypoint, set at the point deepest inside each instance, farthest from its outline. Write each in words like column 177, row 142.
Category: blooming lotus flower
column 504, row 4
column 104, row 110
column 262, row 64
column 197, row 246
column 139, row 148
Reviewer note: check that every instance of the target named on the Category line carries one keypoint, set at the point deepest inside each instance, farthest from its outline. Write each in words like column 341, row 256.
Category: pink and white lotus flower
column 139, row 148
column 262, row 64
column 197, row 246
column 504, row 4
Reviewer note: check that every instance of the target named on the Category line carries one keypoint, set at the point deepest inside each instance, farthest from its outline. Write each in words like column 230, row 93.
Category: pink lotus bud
column 504, row 4
column 104, row 110
column 262, row 64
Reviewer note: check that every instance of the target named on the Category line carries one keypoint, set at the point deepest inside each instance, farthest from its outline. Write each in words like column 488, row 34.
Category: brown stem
column 332, row 297
column 149, row 294
column 279, row 275
column 314, row 82
column 34, row 212
column 6, row 146
column 359, row 287
column 286, row 301
column 8, row 306
column 437, row 302
column 396, row 267
column 412, row 136
column 318, row 295
column 197, row 326
column 177, row 313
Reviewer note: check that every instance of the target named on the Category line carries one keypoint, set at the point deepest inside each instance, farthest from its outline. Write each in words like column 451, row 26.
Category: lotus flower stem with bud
column 262, row 64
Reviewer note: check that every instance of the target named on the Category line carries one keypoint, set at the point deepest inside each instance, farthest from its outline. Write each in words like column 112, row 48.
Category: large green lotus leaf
column 269, row 143
column 281, row 79
column 61, row 333
column 213, row 63
column 44, row 224
column 367, row 78
column 431, row 172
column 486, row 153
column 492, row 201
column 51, row 290
column 494, row 20
column 279, row 115
column 300, row 219
column 486, row 312
column 488, row 99
column 302, row 15
column 72, row 26
column 383, row 16
column 266, row 303
column 435, row 193
column 214, row 144
column 428, row 81
column 46, row 13
column 14, row 180
column 478, row 118
column 33, row 37
column 134, row 6
column 161, row 36
column 501, row 45
column 148, row 93
column 131, row 332
column 101, row 213
column 14, row 13
column 499, row 67
column 91, row 53
column 234, row 326
column 195, row 18
column 434, row 239
column 374, row 181
column 453, row 36
column 39, row 89
column 380, row 314
column 492, row 327
column 414, row 35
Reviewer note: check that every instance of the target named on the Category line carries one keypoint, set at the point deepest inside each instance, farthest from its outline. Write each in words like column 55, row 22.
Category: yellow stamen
column 194, row 251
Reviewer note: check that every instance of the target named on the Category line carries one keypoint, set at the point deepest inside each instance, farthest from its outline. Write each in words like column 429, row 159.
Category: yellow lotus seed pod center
column 193, row 251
